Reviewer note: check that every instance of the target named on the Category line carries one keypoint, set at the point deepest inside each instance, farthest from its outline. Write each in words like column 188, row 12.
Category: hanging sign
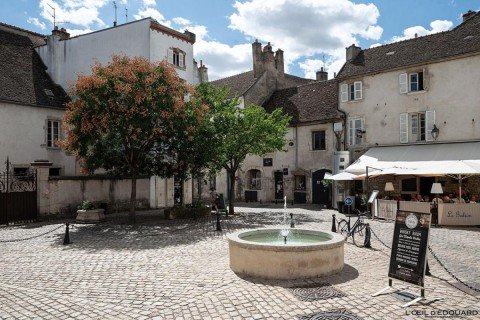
column 409, row 247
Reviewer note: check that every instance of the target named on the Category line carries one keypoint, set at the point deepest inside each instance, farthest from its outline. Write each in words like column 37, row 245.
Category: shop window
column 300, row 183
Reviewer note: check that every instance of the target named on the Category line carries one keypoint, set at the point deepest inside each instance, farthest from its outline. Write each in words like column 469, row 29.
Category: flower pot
column 90, row 216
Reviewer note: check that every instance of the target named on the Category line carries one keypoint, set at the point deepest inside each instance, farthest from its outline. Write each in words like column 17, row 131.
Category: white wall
column 22, row 129
column 452, row 90
column 160, row 43
column 67, row 59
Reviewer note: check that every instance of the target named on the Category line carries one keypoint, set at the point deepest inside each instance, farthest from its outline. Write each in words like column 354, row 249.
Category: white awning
column 342, row 176
column 429, row 159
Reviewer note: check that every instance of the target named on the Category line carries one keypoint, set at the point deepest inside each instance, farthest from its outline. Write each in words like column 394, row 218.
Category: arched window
column 254, row 179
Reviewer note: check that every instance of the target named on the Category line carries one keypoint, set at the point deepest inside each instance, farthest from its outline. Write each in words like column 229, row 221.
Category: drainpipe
column 296, row 148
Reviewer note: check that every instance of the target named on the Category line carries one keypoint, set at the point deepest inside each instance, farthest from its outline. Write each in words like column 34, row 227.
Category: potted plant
column 87, row 213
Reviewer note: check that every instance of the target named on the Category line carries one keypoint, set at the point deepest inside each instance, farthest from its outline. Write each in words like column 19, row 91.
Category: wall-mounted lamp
column 360, row 133
column 435, row 132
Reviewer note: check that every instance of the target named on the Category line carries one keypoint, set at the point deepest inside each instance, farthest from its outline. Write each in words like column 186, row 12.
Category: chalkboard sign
column 409, row 247
column 221, row 203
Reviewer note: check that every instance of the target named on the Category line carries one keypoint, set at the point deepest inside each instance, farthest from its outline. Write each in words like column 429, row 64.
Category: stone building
column 414, row 100
column 298, row 171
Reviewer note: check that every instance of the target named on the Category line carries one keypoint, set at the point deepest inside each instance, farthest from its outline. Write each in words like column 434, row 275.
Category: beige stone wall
column 63, row 195
column 299, row 158
column 451, row 89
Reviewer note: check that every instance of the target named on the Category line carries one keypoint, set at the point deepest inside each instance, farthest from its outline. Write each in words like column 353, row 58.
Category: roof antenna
column 126, row 14
column 115, row 6
column 53, row 16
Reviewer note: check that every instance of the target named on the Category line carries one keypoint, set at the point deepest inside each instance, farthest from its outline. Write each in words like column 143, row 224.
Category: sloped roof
column 23, row 76
column 312, row 102
column 240, row 83
column 463, row 39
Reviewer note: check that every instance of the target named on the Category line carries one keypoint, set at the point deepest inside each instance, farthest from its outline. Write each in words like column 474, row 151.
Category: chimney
column 202, row 72
column 62, row 33
column 352, row 52
column 468, row 15
column 279, row 65
column 191, row 36
column 322, row 75
column 257, row 59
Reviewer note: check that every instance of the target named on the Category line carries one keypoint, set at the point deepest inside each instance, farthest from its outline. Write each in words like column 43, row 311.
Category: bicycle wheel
column 343, row 228
column 359, row 234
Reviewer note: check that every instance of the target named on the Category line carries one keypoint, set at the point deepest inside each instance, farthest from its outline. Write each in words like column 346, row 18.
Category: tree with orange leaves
column 125, row 118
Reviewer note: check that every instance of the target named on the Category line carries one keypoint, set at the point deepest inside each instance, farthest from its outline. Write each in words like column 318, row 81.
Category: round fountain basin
column 307, row 253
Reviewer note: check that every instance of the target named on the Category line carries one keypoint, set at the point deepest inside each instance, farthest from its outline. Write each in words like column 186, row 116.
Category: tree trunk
column 231, row 195
column 199, row 181
column 133, row 200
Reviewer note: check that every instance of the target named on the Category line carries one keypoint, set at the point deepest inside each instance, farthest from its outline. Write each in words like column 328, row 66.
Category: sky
column 312, row 33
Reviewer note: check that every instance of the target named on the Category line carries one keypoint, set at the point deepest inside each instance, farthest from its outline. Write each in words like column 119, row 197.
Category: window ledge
column 54, row 148
column 415, row 92
column 318, row 150
column 177, row 67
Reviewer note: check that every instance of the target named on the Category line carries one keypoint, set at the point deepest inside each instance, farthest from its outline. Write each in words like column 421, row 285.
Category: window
column 212, row 182
column 351, row 91
column 53, row 133
column 318, row 140
column 54, row 172
column 409, row 185
column 254, row 179
column 300, row 183
column 20, row 171
column 176, row 57
column 421, row 125
column 411, row 82
column 355, row 132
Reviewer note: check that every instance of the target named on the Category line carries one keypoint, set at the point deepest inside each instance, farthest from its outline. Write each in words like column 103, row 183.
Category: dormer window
column 176, row 57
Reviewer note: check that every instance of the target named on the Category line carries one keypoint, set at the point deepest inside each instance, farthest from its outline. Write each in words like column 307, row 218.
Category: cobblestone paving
column 179, row 270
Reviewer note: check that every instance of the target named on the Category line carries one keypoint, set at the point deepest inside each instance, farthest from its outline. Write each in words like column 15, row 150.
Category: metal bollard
column 219, row 226
column 66, row 239
column 334, row 224
column 367, row 236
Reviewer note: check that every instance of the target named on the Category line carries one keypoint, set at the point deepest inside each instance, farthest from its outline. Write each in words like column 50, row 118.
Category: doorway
column 278, row 185
column 320, row 193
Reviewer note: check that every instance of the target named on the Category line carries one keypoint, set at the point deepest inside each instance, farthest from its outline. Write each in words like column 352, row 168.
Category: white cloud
column 37, row 23
column 305, row 28
column 181, row 21
column 154, row 13
column 76, row 32
column 435, row 26
column 149, row 3
column 84, row 13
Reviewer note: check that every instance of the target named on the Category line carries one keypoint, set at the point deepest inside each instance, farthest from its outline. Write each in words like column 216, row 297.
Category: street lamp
column 435, row 132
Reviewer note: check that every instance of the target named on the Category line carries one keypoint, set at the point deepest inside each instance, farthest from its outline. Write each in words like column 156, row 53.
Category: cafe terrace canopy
column 342, row 176
column 428, row 159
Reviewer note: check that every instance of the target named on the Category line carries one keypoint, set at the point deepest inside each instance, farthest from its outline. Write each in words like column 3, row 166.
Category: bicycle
column 358, row 231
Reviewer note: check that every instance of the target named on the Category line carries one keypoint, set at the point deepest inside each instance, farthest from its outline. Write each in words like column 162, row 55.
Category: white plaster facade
column 23, row 132
column 450, row 95
column 66, row 58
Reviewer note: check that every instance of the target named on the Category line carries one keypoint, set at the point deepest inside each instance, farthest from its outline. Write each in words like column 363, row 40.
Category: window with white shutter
column 429, row 122
column 355, row 132
column 170, row 56
column 344, row 92
column 403, row 127
column 403, row 81
column 358, row 90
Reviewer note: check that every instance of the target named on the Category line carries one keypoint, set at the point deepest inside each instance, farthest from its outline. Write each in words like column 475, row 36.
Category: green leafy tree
column 126, row 118
column 238, row 132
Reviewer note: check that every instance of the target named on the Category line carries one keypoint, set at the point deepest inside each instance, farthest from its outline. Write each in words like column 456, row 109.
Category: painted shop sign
column 459, row 214
column 409, row 247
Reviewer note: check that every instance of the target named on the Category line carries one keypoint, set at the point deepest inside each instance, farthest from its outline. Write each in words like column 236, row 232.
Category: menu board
column 409, row 247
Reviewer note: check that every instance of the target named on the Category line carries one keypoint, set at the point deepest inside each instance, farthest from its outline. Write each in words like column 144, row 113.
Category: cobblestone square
column 179, row 269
